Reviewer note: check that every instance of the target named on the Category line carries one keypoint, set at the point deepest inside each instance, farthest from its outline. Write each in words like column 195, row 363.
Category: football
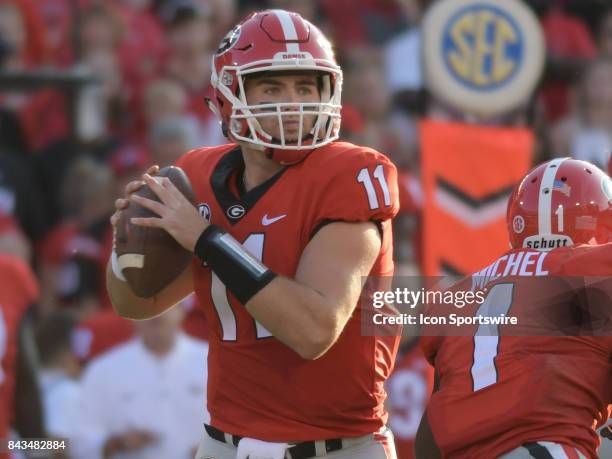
column 149, row 257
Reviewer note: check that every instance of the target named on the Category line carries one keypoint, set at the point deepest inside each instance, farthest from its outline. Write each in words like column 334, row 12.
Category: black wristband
column 241, row 273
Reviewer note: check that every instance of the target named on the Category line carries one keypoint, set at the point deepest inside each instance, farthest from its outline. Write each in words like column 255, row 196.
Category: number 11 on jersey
column 254, row 244
column 379, row 175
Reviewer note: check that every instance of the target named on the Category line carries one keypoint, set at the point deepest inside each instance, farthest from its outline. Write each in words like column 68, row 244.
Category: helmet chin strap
column 250, row 146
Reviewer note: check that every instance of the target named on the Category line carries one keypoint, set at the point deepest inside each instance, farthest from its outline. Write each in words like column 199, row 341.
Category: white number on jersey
column 486, row 340
column 379, row 175
column 254, row 244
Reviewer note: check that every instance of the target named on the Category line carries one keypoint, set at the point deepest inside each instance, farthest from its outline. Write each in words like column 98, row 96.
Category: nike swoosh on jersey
column 265, row 221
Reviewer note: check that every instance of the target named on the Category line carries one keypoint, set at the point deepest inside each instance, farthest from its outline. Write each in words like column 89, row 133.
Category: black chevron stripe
column 474, row 203
column 449, row 270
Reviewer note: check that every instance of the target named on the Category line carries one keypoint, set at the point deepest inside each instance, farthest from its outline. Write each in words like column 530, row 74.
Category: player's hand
column 130, row 188
column 606, row 432
column 177, row 215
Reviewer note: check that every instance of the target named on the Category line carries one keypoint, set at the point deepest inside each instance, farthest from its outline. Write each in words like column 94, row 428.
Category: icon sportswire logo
column 265, row 221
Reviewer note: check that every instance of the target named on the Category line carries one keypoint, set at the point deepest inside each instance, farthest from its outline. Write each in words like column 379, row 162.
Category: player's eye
column 272, row 90
column 305, row 90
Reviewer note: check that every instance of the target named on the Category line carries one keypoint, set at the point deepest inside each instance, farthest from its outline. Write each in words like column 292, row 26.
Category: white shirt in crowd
column 131, row 388
column 60, row 396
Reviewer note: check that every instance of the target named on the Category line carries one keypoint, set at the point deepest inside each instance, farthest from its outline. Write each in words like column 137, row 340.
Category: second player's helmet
column 276, row 41
column 561, row 203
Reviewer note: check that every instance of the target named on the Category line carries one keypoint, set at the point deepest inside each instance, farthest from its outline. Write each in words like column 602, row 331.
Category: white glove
column 249, row 448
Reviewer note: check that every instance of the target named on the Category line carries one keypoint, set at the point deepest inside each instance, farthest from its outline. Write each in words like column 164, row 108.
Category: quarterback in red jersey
column 20, row 405
column 543, row 394
column 290, row 221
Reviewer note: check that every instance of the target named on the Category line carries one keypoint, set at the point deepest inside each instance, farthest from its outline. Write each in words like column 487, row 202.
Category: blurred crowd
column 141, row 70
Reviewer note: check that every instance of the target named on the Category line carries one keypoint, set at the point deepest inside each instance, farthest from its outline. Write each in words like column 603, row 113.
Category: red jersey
column 409, row 388
column 18, row 290
column 257, row 386
column 498, row 392
column 194, row 323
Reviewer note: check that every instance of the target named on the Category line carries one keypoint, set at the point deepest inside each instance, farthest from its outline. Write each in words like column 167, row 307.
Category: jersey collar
column 236, row 207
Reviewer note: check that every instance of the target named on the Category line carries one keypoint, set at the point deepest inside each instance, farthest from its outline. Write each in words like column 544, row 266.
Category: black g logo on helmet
column 229, row 40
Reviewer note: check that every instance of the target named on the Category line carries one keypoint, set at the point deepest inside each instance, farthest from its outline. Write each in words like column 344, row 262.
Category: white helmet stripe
column 288, row 29
column 545, row 199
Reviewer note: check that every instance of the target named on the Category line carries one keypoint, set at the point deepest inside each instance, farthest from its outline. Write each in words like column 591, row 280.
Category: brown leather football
column 149, row 257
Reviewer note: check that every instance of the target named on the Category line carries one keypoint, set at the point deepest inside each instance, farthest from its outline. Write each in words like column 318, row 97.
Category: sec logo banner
column 483, row 57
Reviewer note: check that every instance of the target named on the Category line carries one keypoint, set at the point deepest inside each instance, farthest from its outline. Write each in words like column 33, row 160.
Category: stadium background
column 92, row 92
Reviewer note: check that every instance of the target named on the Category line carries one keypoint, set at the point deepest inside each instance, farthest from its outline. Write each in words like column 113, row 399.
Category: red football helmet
column 560, row 203
column 275, row 40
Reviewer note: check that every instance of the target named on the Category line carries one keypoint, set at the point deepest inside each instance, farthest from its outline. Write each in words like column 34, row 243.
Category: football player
column 20, row 401
column 542, row 394
column 290, row 222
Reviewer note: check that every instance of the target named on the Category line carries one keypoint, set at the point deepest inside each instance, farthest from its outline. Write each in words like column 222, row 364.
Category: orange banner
column 468, row 173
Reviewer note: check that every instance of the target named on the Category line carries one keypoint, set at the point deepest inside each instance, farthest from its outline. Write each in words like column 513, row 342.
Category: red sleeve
column 194, row 161
column 429, row 346
column 183, row 161
column 358, row 185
